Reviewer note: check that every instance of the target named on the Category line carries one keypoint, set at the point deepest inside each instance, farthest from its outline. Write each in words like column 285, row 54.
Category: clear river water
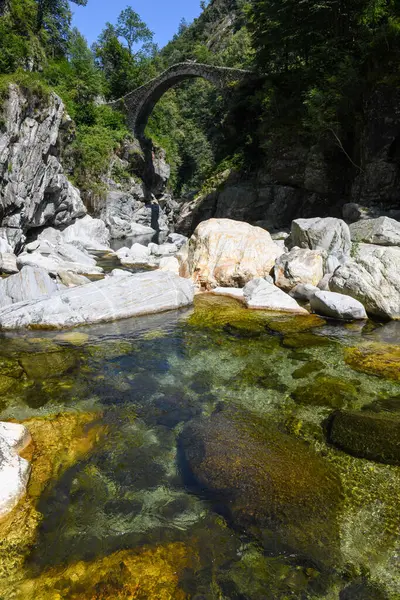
column 212, row 453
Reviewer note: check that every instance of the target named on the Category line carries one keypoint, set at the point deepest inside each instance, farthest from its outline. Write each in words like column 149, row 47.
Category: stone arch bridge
column 140, row 103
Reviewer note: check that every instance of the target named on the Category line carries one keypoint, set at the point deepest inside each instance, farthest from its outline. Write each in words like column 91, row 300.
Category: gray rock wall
column 34, row 189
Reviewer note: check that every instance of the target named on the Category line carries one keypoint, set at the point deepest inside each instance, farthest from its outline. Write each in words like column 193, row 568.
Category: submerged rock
column 326, row 390
column 107, row 300
column 382, row 360
column 261, row 293
column 148, row 572
column 14, row 470
column 267, row 482
column 227, row 253
column 375, row 436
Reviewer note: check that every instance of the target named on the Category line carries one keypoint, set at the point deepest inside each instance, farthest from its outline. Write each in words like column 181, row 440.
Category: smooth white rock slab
column 337, row 306
column 110, row 299
column 261, row 293
column 229, row 291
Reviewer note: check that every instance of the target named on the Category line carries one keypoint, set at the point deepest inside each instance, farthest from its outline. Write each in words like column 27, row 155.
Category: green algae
column 50, row 364
column 381, row 360
column 313, row 366
column 305, row 340
column 325, row 390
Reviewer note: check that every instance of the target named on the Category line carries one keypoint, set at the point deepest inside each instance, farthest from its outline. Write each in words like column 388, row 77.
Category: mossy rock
column 261, row 577
column 264, row 481
column 305, row 340
column 381, row 360
column 325, row 390
column 11, row 368
column 375, row 436
column 308, row 369
column 290, row 324
column 219, row 312
column 363, row 590
column 50, row 364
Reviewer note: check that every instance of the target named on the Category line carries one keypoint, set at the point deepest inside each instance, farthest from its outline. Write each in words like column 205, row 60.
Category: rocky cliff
column 302, row 180
column 34, row 189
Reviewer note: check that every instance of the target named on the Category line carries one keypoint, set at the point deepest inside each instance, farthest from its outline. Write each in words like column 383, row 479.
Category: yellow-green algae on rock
column 142, row 574
column 382, row 360
column 214, row 311
column 58, row 442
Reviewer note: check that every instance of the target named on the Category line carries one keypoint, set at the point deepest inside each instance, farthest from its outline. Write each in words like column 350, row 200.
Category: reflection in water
column 259, row 505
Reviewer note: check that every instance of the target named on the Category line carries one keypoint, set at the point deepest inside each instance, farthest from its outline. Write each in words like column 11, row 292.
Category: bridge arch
column 139, row 103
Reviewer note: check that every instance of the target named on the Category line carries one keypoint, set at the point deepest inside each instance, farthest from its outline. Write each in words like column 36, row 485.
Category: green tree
column 132, row 29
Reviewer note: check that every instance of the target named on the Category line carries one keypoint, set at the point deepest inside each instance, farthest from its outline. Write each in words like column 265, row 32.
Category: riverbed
column 120, row 504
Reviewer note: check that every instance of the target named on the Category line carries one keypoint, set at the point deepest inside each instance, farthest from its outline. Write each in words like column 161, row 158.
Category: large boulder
column 373, row 278
column 14, row 470
column 337, row 306
column 110, row 299
column 265, row 481
column 127, row 214
column 30, row 283
column 91, row 233
column 299, row 266
column 375, row 436
column 34, row 191
column 382, row 231
column 227, row 253
column 332, row 235
column 263, row 294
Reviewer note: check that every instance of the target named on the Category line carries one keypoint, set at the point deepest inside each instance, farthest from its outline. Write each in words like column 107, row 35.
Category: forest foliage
column 315, row 61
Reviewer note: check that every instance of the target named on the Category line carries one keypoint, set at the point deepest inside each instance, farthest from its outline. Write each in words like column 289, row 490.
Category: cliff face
column 316, row 181
column 34, row 189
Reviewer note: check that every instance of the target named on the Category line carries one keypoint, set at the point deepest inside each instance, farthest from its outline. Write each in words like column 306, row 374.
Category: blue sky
column 162, row 16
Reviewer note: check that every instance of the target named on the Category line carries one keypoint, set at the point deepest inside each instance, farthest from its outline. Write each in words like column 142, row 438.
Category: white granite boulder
column 14, row 470
column 30, row 283
column 329, row 234
column 110, row 299
column 56, row 257
column 303, row 291
column 373, row 278
column 227, row 253
column 169, row 263
column 337, row 306
column 91, row 233
column 136, row 255
column 382, row 231
column 261, row 293
column 8, row 263
column 300, row 265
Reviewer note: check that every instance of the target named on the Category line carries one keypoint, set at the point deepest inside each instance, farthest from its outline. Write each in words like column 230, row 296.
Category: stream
column 193, row 455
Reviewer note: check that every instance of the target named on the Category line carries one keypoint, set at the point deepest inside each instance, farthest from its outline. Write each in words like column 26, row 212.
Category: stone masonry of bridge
column 139, row 103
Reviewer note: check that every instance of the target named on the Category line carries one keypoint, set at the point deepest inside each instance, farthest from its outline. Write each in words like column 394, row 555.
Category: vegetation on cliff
column 318, row 61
